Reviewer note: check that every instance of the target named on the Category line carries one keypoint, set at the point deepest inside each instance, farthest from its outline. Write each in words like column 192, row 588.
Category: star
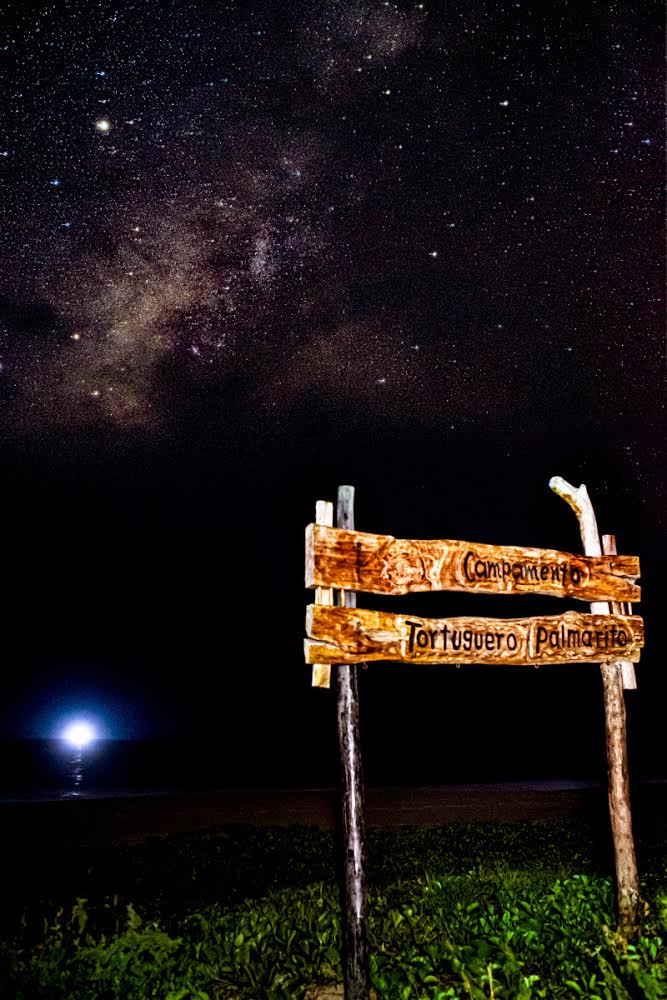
column 103, row 125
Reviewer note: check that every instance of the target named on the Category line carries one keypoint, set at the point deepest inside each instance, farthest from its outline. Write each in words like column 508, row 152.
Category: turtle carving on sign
column 402, row 566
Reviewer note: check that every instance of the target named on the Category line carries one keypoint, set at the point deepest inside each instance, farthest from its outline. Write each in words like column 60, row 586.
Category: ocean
column 52, row 769
column 42, row 770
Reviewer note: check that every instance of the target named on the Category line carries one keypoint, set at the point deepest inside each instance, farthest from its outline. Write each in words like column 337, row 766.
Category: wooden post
column 627, row 878
column 620, row 608
column 321, row 676
column 357, row 979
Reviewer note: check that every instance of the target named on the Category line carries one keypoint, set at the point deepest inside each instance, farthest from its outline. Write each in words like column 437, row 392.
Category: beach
column 131, row 818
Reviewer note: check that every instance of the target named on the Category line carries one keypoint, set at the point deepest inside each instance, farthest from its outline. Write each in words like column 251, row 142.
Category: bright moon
column 79, row 734
column 103, row 125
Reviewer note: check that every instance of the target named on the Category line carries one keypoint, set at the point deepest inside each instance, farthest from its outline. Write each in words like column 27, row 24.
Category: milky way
column 447, row 216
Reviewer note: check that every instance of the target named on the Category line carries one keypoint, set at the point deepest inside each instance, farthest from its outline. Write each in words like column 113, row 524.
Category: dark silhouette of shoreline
column 131, row 818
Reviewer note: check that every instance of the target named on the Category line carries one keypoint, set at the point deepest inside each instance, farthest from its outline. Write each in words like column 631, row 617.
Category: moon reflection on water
column 78, row 734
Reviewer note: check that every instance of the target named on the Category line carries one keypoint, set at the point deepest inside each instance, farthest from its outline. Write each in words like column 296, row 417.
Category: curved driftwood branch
column 578, row 499
column 627, row 878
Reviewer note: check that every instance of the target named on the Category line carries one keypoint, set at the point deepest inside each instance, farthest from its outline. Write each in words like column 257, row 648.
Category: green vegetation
column 520, row 911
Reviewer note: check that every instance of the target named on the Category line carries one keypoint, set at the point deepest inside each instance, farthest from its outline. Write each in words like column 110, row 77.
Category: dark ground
column 129, row 819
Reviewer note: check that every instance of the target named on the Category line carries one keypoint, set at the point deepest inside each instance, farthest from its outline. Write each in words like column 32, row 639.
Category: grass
column 520, row 910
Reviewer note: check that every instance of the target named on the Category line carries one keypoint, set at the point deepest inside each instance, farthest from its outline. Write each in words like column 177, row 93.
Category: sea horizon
column 37, row 769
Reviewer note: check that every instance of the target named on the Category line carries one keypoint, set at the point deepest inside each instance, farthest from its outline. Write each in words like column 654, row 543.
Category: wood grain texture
column 354, row 635
column 321, row 677
column 620, row 812
column 382, row 564
column 620, row 608
column 625, row 858
column 356, row 973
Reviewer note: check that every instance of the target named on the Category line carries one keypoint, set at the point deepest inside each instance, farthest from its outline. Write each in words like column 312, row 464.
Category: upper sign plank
column 382, row 564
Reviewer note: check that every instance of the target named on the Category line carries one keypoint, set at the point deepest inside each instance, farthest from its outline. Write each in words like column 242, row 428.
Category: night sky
column 251, row 251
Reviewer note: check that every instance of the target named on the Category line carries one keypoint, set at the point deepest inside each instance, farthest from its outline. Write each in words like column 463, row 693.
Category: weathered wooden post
column 323, row 595
column 357, row 980
column 620, row 608
column 627, row 878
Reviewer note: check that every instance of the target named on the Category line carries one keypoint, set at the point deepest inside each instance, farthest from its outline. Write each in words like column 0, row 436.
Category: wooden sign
column 353, row 635
column 341, row 559
column 382, row 564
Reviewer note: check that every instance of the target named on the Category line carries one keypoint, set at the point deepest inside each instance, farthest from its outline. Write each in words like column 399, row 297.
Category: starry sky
column 253, row 250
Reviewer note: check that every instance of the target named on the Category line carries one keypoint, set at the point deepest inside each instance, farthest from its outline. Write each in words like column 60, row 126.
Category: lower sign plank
column 353, row 635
